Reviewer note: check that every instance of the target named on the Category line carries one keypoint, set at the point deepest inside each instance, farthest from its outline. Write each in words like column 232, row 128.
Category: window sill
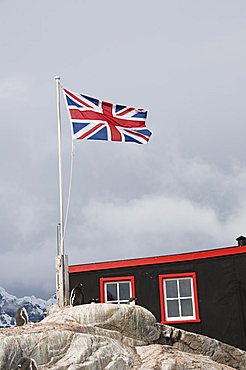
column 180, row 321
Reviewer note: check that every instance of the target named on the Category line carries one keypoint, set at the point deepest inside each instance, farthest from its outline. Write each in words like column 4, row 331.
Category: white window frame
column 165, row 319
column 179, row 299
column 118, row 300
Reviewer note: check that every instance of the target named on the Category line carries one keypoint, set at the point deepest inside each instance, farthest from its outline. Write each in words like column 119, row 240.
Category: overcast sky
column 184, row 191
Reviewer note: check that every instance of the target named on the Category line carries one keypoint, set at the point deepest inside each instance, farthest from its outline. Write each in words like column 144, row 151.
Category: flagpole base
column 62, row 281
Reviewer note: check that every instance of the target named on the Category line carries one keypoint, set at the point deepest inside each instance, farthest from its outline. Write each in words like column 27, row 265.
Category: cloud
column 145, row 226
column 183, row 191
column 13, row 88
column 30, row 271
column 151, row 225
column 171, row 204
column 188, row 205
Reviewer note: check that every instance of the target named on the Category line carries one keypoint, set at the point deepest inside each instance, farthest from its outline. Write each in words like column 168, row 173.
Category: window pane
column 171, row 288
column 124, row 291
column 111, row 292
column 186, row 307
column 185, row 287
column 173, row 308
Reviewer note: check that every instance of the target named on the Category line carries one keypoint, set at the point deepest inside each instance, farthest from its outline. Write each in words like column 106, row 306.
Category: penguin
column 168, row 335
column 21, row 316
column 132, row 301
column 26, row 363
column 77, row 295
column 171, row 335
column 94, row 300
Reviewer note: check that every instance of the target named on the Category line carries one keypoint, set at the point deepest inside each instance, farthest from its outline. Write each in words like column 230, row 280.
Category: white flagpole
column 57, row 78
column 62, row 283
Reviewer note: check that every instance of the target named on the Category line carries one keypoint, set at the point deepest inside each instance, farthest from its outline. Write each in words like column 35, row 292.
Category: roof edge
column 190, row 256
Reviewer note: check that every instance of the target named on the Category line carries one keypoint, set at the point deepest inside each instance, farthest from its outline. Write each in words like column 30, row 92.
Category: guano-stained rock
column 200, row 344
column 161, row 357
column 133, row 321
column 110, row 337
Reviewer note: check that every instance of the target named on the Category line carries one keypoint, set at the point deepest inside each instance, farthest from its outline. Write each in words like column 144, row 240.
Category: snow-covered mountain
column 9, row 304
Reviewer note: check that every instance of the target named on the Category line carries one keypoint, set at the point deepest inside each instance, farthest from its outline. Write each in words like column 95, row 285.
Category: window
column 178, row 296
column 117, row 289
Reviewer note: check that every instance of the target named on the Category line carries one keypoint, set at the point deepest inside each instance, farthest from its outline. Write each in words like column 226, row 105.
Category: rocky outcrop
column 110, row 337
column 167, row 358
column 200, row 344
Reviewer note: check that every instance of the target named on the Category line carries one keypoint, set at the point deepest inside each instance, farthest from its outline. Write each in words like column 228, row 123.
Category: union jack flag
column 93, row 119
